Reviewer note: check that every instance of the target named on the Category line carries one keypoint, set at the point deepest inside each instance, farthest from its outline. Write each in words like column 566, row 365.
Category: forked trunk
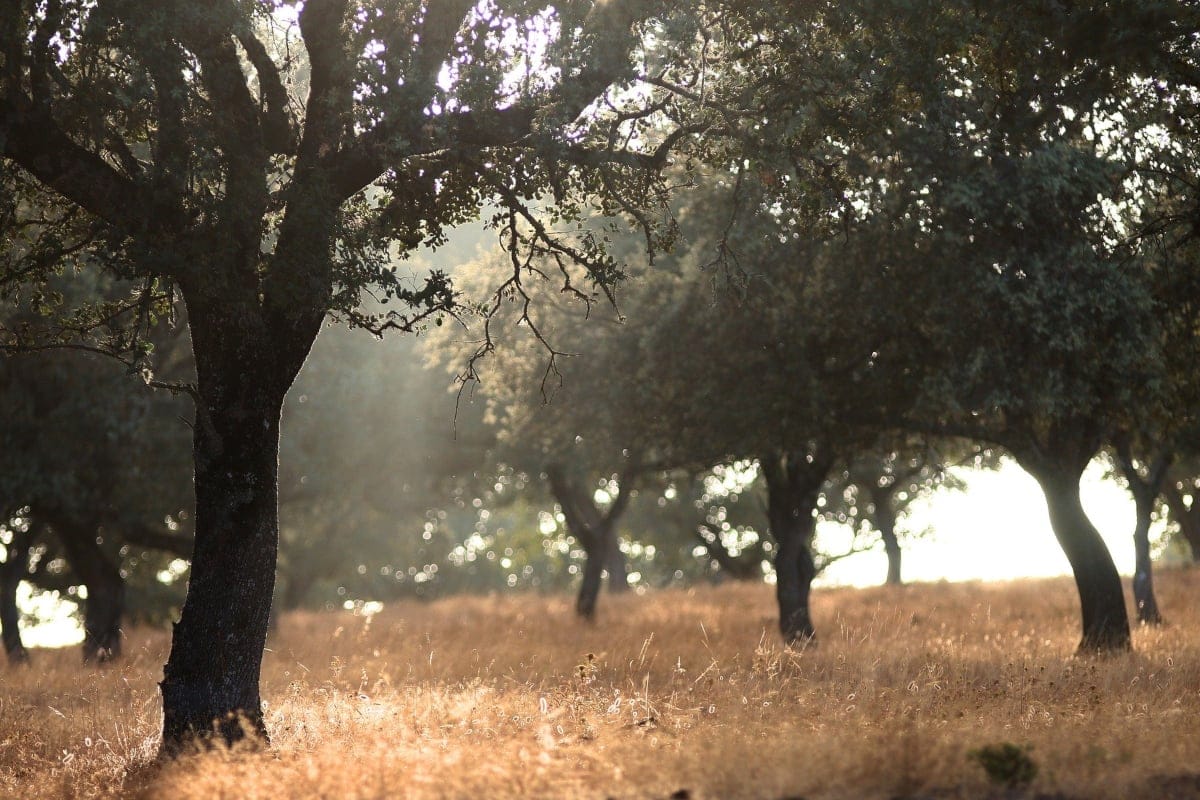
column 211, row 679
column 1101, row 598
column 596, row 531
column 12, row 571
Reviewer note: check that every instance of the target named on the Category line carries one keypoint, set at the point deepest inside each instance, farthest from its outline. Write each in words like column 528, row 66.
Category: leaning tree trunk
column 210, row 682
column 793, row 485
column 12, row 571
column 1101, row 598
column 105, row 589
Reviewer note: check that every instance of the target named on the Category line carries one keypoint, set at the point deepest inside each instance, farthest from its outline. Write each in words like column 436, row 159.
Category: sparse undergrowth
column 498, row 697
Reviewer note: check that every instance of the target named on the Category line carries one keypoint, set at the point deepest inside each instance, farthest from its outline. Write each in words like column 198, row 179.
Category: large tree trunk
column 211, row 679
column 1101, row 598
column 16, row 562
column 793, row 485
column 105, row 589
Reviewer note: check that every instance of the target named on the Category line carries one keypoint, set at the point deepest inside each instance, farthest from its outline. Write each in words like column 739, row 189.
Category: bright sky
column 994, row 530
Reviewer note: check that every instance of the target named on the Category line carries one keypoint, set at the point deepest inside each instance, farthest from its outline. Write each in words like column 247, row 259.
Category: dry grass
column 497, row 697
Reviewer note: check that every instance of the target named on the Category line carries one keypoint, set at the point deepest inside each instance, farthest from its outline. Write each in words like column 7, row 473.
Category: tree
column 553, row 414
column 988, row 275
column 92, row 468
column 169, row 146
column 875, row 488
column 1182, row 509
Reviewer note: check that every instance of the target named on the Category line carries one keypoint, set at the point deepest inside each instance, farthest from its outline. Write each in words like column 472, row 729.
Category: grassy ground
column 676, row 690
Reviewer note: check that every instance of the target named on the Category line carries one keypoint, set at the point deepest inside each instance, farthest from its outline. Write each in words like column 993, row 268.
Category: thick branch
column 35, row 142
column 277, row 130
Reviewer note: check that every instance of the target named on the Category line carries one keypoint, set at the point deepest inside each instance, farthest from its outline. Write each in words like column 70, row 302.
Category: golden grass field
column 684, row 690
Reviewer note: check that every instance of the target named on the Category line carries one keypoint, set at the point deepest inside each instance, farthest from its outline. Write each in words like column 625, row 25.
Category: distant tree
column 556, row 411
column 92, row 468
column 1182, row 510
column 875, row 489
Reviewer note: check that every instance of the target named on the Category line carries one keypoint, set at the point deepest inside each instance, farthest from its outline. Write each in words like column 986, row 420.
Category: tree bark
column 12, row 571
column 1101, row 597
column 1145, row 492
column 793, row 485
column 210, row 683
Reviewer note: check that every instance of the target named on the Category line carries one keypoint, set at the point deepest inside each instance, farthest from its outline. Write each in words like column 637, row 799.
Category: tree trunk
column 794, row 573
column 1187, row 518
column 105, row 603
column 793, row 485
column 1101, row 598
column 593, row 573
column 16, row 562
column 1145, row 491
column 1143, row 576
column 617, row 566
column 885, row 520
column 596, row 531
column 211, row 679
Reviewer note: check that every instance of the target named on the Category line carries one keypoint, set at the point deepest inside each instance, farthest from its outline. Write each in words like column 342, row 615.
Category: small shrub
column 1005, row 763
